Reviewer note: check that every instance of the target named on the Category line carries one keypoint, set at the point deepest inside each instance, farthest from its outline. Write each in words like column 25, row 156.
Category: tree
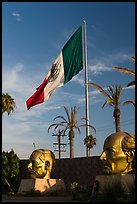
column 89, row 141
column 127, row 71
column 8, row 104
column 70, row 123
column 113, row 99
column 10, row 167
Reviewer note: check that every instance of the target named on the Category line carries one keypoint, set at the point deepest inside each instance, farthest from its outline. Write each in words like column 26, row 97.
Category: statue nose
column 103, row 156
column 30, row 166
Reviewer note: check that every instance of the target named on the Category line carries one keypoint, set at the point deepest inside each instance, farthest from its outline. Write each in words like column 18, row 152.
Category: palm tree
column 127, row 71
column 89, row 141
column 113, row 99
column 8, row 104
column 131, row 72
column 70, row 123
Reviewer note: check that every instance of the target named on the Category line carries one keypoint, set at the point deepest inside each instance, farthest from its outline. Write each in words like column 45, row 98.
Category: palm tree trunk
column 88, row 152
column 117, row 119
column 71, row 138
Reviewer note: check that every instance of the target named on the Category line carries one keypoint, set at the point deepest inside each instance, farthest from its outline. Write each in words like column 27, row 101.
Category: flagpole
column 85, row 65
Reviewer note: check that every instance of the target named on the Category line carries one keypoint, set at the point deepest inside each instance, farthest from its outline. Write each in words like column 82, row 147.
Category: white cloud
column 106, row 64
column 95, row 92
column 16, row 133
column 10, row 80
column 14, row 80
column 17, row 16
column 19, row 19
column 129, row 87
column 21, row 86
column 16, row 13
column 99, row 68
column 52, row 107
column 20, row 134
column 118, row 57
column 79, row 80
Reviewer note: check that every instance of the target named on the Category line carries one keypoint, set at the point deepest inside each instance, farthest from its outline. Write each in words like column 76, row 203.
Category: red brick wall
column 83, row 170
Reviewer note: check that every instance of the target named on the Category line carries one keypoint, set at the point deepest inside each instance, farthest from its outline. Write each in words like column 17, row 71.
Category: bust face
column 41, row 162
column 114, row 159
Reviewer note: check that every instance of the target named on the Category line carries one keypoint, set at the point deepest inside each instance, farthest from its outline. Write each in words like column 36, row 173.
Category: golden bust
column 118, row 154
column 41, row 163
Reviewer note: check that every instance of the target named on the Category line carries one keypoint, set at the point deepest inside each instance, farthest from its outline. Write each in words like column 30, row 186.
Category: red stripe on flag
column 38, row 96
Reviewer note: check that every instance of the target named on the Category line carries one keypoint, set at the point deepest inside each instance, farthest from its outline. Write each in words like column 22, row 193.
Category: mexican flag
column 68, row 63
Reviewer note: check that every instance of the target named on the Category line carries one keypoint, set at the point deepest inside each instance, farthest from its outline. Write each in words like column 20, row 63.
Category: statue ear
column 130, row 155
column 47, row 165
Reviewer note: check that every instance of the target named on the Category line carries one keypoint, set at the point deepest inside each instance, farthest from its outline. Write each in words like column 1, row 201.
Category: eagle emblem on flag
column 54, row 72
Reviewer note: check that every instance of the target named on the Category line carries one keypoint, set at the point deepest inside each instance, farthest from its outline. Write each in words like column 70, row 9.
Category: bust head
column 118, row 153
column 41, row 163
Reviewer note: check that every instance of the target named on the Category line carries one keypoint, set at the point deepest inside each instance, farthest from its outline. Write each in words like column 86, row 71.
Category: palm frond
column 83, row 125
column 104, row 104
column 66, row 128
column 75, row 110
column 131, row 83
column 81, row 118
column 133, row 58
column 125, row 70
column 73, row 114
column 56, row 125
column 61, row 131
column 62, row 117
column 90, row 141
column 66, row 110
column 129, row 102
column 99, row 88
column 8, row 103
column 93, row 128
column 51, row 126
column 77, row 127
column 109, row 102
column 110, row 90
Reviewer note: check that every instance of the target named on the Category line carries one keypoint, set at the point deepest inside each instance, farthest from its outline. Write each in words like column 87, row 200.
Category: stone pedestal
column 42, row 185
column 126, row 180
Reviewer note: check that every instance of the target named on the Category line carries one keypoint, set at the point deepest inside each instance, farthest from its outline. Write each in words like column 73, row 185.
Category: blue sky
column 33, row 34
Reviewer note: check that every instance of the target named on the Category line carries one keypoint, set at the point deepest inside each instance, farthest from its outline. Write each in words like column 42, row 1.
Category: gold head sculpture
column 118, row 154
column 41, row 163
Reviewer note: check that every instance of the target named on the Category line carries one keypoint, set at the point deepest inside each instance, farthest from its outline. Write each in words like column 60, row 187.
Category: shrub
column 10, row 170
column 80, row 193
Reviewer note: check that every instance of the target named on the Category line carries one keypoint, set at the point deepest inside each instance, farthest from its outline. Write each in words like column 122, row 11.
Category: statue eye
column 113, row 151
column 34, row 163
column 110, row 152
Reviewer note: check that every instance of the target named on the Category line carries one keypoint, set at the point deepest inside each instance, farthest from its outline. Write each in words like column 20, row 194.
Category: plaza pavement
column 6, row 198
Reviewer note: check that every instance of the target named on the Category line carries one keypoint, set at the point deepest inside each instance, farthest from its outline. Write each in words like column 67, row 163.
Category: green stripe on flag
column 72, row 55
